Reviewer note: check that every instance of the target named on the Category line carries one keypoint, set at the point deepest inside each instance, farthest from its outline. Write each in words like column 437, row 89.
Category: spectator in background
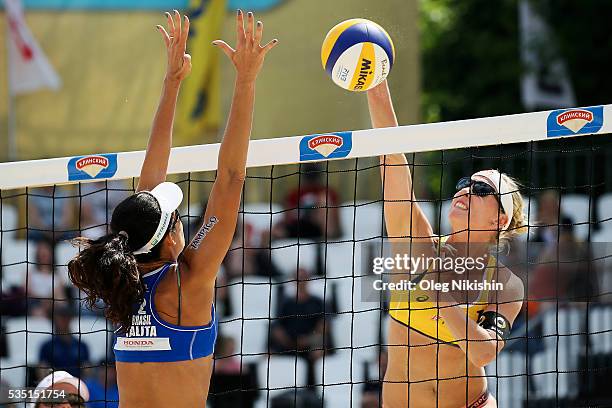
column 13, row 301
column 301, row 325
column 44, row 285
column 312, row 208
column 63, row 351
column 97, row 201
column 549, row 217
column 73, row 390
column 232, row 384
column 246, row 258
column 103, row 390
column 563, row 272
column 49, row 214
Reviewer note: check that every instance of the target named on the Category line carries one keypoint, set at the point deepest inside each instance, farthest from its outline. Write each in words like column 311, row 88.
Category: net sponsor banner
column 461, row 134
column 576, row 121
column 97, row 166
column 326, row 146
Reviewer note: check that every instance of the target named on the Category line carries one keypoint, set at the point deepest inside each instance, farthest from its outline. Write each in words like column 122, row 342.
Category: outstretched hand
column 249, row 54
column 179, row 62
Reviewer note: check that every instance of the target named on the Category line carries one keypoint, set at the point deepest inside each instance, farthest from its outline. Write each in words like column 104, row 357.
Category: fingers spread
column 178, row 26
column 170, row 25
column 240, row 29
column 258, row 32
column 249, row 29
column 229, row 51
column 185, row 35
column 270, row 45
column 164, row 34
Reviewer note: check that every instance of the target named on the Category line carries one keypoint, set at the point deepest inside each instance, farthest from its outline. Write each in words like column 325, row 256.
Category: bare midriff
column 423, row 372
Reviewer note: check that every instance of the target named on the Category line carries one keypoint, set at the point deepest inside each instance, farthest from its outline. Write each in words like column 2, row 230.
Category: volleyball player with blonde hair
column 439, row 342
column 157, row 290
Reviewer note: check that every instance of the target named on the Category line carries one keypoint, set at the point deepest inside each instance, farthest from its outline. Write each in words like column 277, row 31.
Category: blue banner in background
column 254, row 5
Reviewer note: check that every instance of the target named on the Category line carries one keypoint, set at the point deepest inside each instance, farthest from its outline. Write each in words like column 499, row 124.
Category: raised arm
column 155, row 164
column 403, row 216
column 210, row 244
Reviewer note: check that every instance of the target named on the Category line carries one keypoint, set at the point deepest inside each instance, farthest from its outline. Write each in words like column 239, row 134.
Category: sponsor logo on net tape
column 576, row 121
column 97, row 166
column 326, row 146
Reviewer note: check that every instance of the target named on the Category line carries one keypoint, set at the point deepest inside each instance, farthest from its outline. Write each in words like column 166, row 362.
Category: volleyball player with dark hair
column 159, row 292
column 440, row 341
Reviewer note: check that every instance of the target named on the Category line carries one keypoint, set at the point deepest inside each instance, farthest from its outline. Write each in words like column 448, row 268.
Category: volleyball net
column 300, row 323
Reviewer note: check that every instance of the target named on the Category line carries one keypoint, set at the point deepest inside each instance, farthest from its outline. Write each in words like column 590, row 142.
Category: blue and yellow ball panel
column 357, row 54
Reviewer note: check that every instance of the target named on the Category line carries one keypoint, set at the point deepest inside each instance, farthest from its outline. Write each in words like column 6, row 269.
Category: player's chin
column 458, row 217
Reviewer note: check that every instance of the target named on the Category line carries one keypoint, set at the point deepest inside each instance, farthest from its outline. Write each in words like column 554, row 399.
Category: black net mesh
column 299, row 322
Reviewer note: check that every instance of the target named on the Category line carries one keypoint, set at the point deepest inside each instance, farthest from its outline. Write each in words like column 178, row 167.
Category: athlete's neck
column 469, row 248
column 472, row 237
column 145, row 268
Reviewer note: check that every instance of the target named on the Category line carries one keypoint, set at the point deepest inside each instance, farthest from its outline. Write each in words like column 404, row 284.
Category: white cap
column 169, row 196
column 62, row 377
column 495, row 180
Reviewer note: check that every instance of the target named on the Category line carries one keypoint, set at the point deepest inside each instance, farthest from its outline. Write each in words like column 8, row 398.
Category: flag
column 29, row 69
column 545, row 82
column 199, row 106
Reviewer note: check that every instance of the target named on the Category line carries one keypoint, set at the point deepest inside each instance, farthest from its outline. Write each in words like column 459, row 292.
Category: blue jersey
column 150, row 339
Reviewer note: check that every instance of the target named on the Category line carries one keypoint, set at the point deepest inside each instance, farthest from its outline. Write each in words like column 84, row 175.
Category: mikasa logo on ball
column 364, row 73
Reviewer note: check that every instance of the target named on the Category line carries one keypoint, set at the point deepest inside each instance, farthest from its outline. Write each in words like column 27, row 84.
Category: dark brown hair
column 106, row 268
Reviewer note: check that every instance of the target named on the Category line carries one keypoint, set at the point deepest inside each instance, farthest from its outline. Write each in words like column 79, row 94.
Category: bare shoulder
column 508, row 299
column 513, row 288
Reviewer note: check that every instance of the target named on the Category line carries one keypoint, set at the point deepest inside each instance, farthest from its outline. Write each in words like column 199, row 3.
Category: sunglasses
column 479, row 188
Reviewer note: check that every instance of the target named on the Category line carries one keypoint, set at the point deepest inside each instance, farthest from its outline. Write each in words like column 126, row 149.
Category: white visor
column 495, row 180
column 169, row 196
column 62, row 377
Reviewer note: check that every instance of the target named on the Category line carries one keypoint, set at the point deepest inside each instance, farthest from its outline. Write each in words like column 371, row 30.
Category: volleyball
column 357, row 54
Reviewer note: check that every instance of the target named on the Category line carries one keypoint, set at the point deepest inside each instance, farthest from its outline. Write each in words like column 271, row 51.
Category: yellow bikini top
column 414, row 309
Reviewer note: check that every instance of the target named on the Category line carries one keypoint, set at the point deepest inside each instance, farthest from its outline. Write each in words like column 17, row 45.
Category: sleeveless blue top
column 150, row 339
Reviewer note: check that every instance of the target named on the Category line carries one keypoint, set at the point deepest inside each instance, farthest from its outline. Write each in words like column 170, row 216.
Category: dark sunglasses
column 479, row 188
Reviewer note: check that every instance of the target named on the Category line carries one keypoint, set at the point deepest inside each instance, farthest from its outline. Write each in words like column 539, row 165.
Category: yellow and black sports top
column 414, row 309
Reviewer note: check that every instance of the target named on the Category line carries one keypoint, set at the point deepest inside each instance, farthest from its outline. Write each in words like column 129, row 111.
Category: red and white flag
column 29, row 69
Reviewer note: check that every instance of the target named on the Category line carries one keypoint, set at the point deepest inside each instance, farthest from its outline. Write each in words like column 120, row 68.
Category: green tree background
column 471, row 54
